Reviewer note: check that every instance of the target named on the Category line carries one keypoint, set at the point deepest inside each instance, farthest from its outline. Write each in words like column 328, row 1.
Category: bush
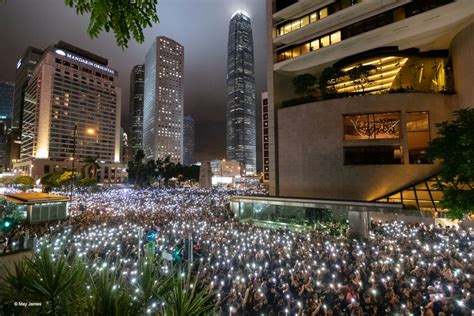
column 24, row 183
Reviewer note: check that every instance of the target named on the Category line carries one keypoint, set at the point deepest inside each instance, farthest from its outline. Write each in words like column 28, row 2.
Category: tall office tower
column 240, row 111
column 6, row 99
column 265, row 139
column 24, row 71
column 163, row 102
column 6, row 105
column 137, row 87
column 188, row 140
column 70, row 87
column 387, row 71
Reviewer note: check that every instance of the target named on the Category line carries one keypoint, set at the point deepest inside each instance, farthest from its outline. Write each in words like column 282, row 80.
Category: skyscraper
column 24, row 70
column 188, row 140
column 240, row 111
column 6, row 105
column 137, row 87
column 163, row 102
column 71, row 87
column 6, row 99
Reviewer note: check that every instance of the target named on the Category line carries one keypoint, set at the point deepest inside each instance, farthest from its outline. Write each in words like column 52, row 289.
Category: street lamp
column 89, row 131
column 73, row 159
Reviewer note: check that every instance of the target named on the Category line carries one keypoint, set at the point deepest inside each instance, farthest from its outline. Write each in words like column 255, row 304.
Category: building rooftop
column 34, row 197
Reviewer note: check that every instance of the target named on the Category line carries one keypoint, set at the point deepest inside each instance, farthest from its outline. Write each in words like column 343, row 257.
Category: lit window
column 418, row 133
column 323, row 13
column 325, row 41
column 304, row 21
column 313, row 17
column 315, row 45
column 336, row 37
column 305, row 48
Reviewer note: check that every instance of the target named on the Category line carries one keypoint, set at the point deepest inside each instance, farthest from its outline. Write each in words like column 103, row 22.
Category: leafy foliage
column 90, row 167
column 454, row 148
column 328, row 80
column 305, row 84
column 45, row 279
column 24, row 183
column 360, row 75
column 142, row 174
column 126, row 18
column 185, row 298
column 65, row 286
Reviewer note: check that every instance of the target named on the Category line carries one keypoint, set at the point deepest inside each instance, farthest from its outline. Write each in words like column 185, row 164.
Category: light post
column 89, row 131
column 73, row 160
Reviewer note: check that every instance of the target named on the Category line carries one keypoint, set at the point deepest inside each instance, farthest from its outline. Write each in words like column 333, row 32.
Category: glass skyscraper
column 6, row 105
column 137, row 79
column 240, row 111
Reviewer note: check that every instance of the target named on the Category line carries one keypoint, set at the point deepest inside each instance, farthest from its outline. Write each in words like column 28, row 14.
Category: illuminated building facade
column 6, row 105
column 137, row 88
column 240, row 111
column 163, row 101
column 24, row 71
column 265, row 139
column 70, row 87
column 188, row 140
column 388, row 72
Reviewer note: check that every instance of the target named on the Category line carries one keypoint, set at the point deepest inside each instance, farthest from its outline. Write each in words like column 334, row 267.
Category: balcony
column 378, row 72
column 428, row 30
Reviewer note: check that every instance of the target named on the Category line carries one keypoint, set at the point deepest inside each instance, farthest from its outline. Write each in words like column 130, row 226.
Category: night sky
column 201, row 26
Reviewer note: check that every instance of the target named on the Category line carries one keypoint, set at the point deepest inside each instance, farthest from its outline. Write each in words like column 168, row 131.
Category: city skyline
column 204, row 99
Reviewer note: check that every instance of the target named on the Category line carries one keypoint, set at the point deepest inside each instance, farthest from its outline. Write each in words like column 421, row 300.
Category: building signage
column 84, row 61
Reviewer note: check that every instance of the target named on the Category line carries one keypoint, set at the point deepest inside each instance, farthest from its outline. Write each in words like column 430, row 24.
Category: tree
column 126, row 18
column 90, row 162
column 360, row 75
column 454, row 148
column 24, row 183
column 305, row 84
column 328, row 80
column 57, row 282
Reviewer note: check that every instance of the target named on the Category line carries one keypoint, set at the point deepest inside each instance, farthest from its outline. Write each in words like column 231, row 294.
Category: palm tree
column 186, row 299
column 90, row 162
column 56, row 281
column 108, row 295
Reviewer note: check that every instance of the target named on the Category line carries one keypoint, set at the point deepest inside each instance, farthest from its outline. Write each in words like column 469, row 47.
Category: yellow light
column 90, row 131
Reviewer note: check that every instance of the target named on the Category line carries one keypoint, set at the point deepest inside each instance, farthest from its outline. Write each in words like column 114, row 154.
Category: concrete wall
column 462, row 54
column 311, row 158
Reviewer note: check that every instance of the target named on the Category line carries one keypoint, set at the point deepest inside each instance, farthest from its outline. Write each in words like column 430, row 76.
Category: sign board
column 151, row 235
column 166, row 256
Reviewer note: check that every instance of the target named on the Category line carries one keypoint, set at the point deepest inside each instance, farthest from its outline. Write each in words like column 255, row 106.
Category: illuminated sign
column 84, row 61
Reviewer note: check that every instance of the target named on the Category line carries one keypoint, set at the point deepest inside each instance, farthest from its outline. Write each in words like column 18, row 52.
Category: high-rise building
column 137, row 87
column 71, row 89
column 24, row 71
column 6, row 99
column 265, row 139
column 240, row 111
column 387, row 75
column 163, row 101
column 6, row 105
column 188, row 140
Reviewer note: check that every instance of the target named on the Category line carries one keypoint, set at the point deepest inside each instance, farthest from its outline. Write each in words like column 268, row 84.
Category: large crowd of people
column 400, row 269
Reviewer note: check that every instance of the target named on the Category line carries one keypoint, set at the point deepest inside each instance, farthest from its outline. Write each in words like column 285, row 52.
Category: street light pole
column 73, row 159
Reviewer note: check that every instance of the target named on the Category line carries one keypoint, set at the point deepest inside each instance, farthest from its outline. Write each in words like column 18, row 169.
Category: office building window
column 418, row 134
column 373, row 155
column 372, row 126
